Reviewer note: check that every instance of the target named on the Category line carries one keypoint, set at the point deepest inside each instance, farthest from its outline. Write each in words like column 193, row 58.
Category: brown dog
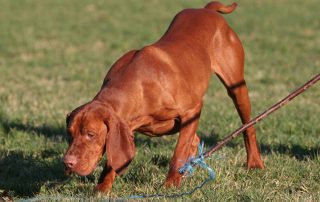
column 159, row 90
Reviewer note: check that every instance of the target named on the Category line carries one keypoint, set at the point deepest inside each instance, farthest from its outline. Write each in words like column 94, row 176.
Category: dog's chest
column 152, row 127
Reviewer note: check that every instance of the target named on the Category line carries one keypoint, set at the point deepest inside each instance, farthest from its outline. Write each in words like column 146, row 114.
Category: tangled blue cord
column 188, row 167
column 188, row 170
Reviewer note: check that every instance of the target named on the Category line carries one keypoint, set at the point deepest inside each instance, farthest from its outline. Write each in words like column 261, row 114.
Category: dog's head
column 93, row 129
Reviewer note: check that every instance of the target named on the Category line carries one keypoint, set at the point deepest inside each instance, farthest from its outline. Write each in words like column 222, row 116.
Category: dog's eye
column 90, row 135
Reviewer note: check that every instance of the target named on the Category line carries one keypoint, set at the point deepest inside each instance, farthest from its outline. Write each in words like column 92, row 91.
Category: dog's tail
column 219, row 7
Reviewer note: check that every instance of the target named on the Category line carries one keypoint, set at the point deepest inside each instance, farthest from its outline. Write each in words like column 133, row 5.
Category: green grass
column 53, row 58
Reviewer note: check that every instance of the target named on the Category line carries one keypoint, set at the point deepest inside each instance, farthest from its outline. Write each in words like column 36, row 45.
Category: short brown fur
column 159, row 90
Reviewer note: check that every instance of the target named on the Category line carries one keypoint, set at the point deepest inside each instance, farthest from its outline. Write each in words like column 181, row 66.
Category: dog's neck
column 116, row 101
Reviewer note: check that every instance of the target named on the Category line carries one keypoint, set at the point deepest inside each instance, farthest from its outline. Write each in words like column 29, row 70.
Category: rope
column 186, row 170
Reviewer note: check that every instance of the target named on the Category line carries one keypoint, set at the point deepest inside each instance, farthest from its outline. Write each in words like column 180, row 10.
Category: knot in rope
column 188, row 167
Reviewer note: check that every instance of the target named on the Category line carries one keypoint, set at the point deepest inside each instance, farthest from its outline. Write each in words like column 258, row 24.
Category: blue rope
column 188, row 170
column 188, row 167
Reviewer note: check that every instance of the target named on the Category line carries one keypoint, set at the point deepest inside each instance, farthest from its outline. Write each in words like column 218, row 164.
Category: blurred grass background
column 53, row 58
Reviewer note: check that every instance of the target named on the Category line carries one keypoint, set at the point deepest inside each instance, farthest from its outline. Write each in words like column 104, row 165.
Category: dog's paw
column 173, row 181
column 255, row 162
column 103, row 188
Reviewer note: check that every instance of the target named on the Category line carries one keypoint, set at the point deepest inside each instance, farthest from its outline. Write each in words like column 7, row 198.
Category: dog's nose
column 70, row 161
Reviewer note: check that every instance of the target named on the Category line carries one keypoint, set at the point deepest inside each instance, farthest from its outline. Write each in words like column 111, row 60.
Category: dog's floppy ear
column 119, row 144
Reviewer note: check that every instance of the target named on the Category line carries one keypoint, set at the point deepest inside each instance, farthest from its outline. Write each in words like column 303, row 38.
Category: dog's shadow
column 24, row 173
column 46, row 130
column 210, row 139
column 297, row 151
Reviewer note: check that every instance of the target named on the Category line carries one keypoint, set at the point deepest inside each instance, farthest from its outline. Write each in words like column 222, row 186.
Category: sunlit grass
column 53, row 58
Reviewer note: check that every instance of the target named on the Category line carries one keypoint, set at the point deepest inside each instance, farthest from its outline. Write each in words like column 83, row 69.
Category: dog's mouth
column 67, row 171
column 82, row 172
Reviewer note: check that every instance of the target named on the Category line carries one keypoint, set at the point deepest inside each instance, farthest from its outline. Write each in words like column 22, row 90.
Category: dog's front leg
column 187, row 137
column 106, row 179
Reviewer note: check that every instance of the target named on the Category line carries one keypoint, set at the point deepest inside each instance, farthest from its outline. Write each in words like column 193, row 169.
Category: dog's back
column 159, row 90
column 176, row 68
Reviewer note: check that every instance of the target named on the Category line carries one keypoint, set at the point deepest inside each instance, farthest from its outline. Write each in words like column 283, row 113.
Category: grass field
column 53, row 58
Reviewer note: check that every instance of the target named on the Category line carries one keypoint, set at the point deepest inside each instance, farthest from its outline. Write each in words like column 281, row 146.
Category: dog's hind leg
column 230, row 69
